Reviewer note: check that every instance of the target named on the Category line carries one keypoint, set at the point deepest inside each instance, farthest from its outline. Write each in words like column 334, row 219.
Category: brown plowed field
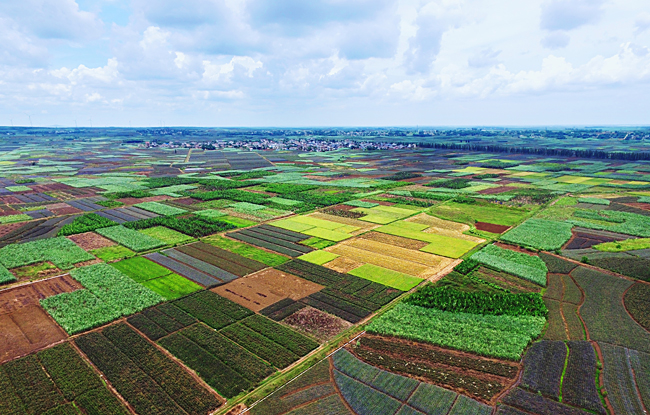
column 343, row 264
column 65, row 211
column 491, row 227
column 24, row 326
column 6, row 229
column 16, row 298
column 265, row 288
column 394, row 240
column 495, row 190
column 90, row 240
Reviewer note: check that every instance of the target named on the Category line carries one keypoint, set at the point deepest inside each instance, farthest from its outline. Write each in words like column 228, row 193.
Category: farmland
column 167, row 280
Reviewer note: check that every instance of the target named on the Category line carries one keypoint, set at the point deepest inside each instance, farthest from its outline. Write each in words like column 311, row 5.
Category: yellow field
column 385, row 261
column 363, row 226
column 444, row 227
column 410, row 255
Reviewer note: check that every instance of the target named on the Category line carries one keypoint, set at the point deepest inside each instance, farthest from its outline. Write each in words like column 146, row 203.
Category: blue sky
column 324, row 62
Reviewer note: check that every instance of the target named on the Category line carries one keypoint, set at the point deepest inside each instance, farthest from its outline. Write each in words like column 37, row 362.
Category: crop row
column 543, row 366
column 148, row 379
column 363, row 399
column 221, row 258
column 437, row 356
column 287, row 338
column 479, row 302
column 61, row 251
column 131, row 239
column 109, row 294
column 522, row 265
column 619, row 381
column 282, row 309
column 177, row 383
column 537, row 404
column 260, row 345
column 86, row 223
column 614, row 221
column 540, row 234
column 233, row 355
column 216, row 374
column 498, row 336
column 159, row 321
column 341, row 304
column 204, row 312
column 579, row 382
column 196, row 226
column 557, row 265
column 43, row 383
column 160, row 208
column 479, row 388
column 637, row 299
column 603, row 311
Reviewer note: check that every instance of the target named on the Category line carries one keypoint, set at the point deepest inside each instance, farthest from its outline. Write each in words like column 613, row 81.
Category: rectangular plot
column 270, row 246
column 174, row 312
column 328, row 308
column 398, row 252
column 37, row 391
column 184, row 270
column 555, row 329
column 260, row 345
column 274, row 240
column 111, row 217
column 172, row 286
column 379, row 260
column 579, row 383
column 363, row 399
column 341, row 304
column 284, row 336
column 279, row 235
column 390, row 278
column 619, row 381
column 432, row 400
column 203, row 312
column 120, row 213
column 147, row 327
column 572, row 293
column 231, row 267
column 230, row 256
column 543, row 365
column 233, row 355
column 328, row 234
column 223, row 305
column 216, row 374
column 283, row 231
column 200, row 265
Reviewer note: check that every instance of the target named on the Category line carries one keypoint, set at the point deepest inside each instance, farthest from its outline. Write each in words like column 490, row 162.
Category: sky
column 300, row 63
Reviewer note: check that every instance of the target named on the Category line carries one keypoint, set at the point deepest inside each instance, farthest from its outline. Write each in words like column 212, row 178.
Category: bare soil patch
column 26, row 330
column 394, row 240
column 90, row 240
column 317, row 323
column 267, row 287
column 65, row 210
column 343, row 264
column 491, row 227
column 7, row 229
column 19, row 297
column 495, row 190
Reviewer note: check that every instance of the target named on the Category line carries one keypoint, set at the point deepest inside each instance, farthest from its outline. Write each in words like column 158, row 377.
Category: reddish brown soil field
column 341, row 207
column 6, row 211
column 495, row 190
column 187, row 201
column 644, row 206
column 9, row 200
column 25, row 331
column 135, row 200
column 583, row 238
column 65, row 211
column 90, row 240
column 260, row 290
column 5, row 229
column 319, row 324
column 515, row 248
column 478, row 377
column 491, row 227
column 16, row 298
column 24, row 326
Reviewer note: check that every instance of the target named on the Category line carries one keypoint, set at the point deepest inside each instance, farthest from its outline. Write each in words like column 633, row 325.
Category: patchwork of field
column 169, row 281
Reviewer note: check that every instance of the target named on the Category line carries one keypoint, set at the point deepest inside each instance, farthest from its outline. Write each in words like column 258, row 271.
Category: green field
column 479, row 212
column 386, row 277
column 170, row 236
column 438, row 244
column 172, row 286
column 112, row 253
column 318, row 257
